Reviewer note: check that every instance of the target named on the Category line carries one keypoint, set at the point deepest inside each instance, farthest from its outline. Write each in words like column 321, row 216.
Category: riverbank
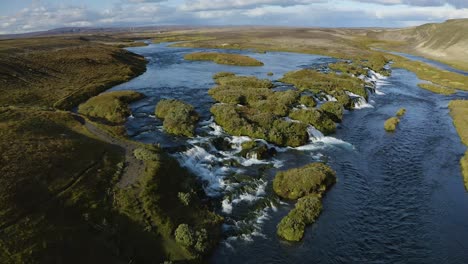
column 69, row 180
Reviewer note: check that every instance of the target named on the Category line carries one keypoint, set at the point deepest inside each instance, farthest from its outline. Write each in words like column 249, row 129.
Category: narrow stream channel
column 399, row 196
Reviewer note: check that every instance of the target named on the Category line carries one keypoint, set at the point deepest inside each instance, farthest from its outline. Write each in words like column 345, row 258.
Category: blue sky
column 21, row 16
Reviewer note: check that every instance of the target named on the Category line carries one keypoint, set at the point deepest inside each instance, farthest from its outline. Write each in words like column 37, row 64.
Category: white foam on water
column 377, row 92
column 226, row 206
column 249, row 197
column 152, row 116
column 217, row 130
column 200, row 162
column 320, row 141
column 330, row 98
column 360, row 102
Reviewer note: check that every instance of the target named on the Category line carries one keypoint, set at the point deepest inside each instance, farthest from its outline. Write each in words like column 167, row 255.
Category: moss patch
column 179, row 117
column 328, row 83
column 308, row 101
column 296, row 183
column 112, row 107
column 334, row 110
column 391, row 124
column 316, row 118
column 251, row 108
column 401, row 112
column 224, row 58
column 293, row 225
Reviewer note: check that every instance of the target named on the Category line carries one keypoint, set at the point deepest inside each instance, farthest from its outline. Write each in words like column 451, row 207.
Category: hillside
column 446, row 42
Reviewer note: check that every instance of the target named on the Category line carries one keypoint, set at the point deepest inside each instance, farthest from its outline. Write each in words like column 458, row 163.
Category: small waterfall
column 359, row 101
column 314, row 134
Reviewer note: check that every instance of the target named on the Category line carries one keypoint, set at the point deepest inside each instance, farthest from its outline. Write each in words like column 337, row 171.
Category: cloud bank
column 44, row 15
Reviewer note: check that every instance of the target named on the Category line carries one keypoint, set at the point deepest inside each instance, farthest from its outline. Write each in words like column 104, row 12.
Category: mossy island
column 224, row 58
column 307, row 184
column 111, row 107
column 391, row 124
column 305, row 212
column 179, row 118
column 328, row 83
column 401, row 112
column 248, row 107
column 295, row 183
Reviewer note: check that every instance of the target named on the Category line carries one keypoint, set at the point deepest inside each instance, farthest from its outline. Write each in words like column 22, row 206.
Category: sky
column 20, row 16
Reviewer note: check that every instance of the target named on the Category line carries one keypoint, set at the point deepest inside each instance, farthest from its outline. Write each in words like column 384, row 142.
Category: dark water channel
column 399, row 196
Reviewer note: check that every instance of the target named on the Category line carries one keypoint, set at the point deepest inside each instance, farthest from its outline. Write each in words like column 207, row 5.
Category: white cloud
column 337, row 13
column 455, row 3
column 204, row 5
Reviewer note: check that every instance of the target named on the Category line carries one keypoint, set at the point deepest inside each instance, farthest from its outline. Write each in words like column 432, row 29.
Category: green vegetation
column 437, row 88
column 390, row 124
column 334, row 110
column 348, row 68
column 224, row 58
column 154, row 202
column 62, row 72
column 227, row 79
column 245, row 121
column 313, row 178
column 316, row 118
column 56, row 190
column 179, row 117
column 63, row 185
column 446, row 79
column 308, row 101
column 222, row 74
column 194, row 241
column 401, row 112
column 293, row 225
column 112, row 107
column 329, row 83
column 306, row 184
column 251, row 108
column 459, row 112
column 254, row 149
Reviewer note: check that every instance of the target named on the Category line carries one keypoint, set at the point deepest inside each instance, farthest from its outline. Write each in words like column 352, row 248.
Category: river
column 399, row 197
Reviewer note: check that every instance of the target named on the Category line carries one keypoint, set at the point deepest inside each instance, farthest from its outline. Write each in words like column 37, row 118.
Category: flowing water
column 399, row 197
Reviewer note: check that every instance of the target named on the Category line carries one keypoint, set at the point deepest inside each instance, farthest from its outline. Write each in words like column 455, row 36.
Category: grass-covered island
column 307, row 184
column 248, row 107
column 224, row 58
column 111, row 107
column 179, row 117
column 391, row 124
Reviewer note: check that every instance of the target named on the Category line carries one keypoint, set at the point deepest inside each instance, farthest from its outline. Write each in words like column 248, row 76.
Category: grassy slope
column 459, row 113
column 58, row 184
column 61, row 72
column 445, row 42
column 51, row 197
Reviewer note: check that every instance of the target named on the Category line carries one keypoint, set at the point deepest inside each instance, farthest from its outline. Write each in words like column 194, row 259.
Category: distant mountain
column 447, row 41
column 90, row 30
